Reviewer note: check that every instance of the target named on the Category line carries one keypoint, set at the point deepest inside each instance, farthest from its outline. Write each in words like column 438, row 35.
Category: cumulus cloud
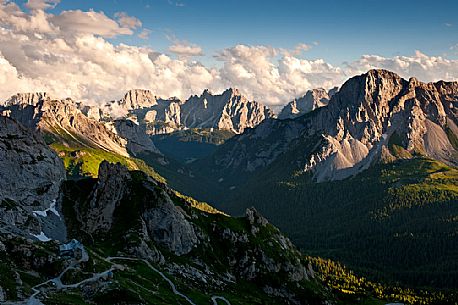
column 258, row 72
column 128, row 21
column 302, row 47
column 69, row 55
column 426, row 68
column 41, row 4
column 184, row 49
column 97, row 23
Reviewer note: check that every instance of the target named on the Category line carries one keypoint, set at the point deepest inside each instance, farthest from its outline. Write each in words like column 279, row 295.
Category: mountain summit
column 375, row 116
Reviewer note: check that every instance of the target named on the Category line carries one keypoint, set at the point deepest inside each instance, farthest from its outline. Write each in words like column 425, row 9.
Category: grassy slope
column 85, row 161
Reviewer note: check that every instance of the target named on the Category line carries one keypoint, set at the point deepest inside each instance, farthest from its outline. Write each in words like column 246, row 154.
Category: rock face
column 230, row 111
column 200, row 247
column 161, row 221
column 135, row 99
column 136, row 136
column 371, row 113
column 158, row 115
column 110, row 189
column 169, row 227
column 30, row 178
column 312, row 100
column 63, row 120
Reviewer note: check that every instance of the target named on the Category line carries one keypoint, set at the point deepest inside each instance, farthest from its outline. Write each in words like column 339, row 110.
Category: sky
column 273, row 51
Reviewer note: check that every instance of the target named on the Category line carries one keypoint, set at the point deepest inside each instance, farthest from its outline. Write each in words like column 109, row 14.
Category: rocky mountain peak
column 361, row 123
column 312, row 100
column 138, row 98
column 30, row 98
column 63, row 120
column 232, row 92
column 374, row 87
column 229, row 110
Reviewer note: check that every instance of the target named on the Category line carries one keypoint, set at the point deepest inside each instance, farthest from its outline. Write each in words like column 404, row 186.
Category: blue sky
column 272, row 51
column 344, row 30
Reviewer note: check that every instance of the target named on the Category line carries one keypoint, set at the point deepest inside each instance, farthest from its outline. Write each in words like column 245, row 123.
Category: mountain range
column 365, row 174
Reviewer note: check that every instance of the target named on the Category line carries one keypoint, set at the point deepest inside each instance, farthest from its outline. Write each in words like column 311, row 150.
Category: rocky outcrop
column 137, row 139
column 112, row 186
column 168, row 226
column 62, row 120
column 312, row 100
column 163, row 118
column 370, row 113
column 230, row 111
column 157, row 115
column 154, row 212
column 138, row 98
column 30, row 178
column 32, row 99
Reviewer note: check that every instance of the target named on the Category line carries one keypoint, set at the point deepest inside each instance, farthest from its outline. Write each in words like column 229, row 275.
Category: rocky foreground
column 127, row 219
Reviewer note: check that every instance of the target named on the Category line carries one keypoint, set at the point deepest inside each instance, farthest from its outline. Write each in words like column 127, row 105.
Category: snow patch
column 41, row 237
column 52, row 208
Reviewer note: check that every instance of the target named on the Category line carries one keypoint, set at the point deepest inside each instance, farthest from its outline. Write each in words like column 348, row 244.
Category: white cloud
column 300, row 48
column 91, row 22
column 144, row 34
column 424, row 67
column 183, row 48
column 259, row 73
column 128, row 21
column 69, row 55
column 41, row 4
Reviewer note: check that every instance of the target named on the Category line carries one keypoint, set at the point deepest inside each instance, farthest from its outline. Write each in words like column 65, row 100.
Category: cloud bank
column 69, row 55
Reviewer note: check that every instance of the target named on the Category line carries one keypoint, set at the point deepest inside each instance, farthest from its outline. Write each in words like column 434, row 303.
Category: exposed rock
column 348, row 136
column 168, row 226
column 92, row 112
column 32, row 99
column 31, row 176
column 137, row 139
column 312, row 100
column 138, row 98
column 63, row 120
column 230, row 111
column 143, row 249
column 254, row 218
column 110, row 189
column 158, row 115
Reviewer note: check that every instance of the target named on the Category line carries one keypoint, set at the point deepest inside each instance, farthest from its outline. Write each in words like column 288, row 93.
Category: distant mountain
column 158, row 115
column 228, row 111
column 63, row 120
column 370, row 179
column 375, row 116
column 80, row 138
column 312, row 100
